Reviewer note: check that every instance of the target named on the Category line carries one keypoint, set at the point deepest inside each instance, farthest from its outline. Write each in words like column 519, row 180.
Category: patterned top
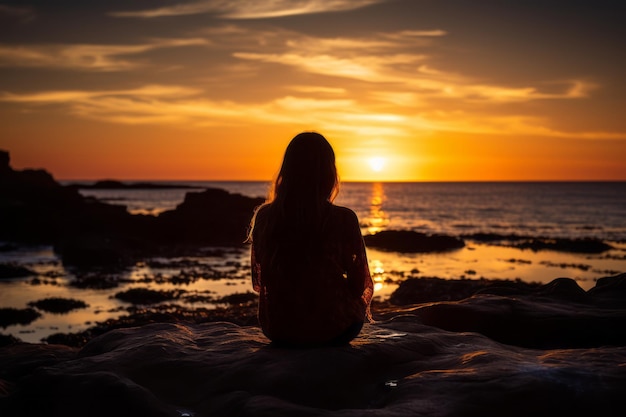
column 313, row 294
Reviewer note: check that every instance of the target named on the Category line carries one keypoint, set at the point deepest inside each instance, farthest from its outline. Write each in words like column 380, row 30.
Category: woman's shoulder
column 343, row 213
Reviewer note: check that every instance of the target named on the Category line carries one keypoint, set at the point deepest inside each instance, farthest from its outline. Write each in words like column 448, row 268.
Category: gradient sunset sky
column 426, row 90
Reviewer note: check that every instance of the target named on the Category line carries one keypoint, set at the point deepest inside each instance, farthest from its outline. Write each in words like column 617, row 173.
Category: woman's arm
column 255, row 269
column 358, row 273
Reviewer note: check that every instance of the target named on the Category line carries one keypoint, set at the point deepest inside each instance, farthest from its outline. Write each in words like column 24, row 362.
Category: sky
column 404, row 90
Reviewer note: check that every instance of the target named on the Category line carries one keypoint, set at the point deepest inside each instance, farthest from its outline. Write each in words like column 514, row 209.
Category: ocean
column 535, row 209
column 540, row 209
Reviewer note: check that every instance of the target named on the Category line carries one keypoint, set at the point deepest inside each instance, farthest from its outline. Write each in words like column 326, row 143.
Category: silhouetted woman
column 308, row 258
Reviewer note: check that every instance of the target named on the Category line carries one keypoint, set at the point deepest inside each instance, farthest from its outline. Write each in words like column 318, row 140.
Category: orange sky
column 405, row 90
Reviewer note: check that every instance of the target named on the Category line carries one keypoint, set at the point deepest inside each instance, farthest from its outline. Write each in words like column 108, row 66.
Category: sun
column 377, row 163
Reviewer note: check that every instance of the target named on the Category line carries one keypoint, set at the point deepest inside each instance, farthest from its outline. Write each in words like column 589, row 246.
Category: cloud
column 391, row 58
column 85, row 56
column 250, row 9
column 364, row 68
column 147, row 91
column 23, row 14
column 313, row 89
column 150, row 104
column 373, row 85
column 183, row 106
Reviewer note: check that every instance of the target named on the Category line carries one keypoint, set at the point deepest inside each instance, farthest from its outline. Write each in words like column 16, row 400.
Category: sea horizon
column 144, row 180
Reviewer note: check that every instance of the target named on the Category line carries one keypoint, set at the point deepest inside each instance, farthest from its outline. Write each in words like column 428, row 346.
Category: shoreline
column 154, row 297
column 188, row 283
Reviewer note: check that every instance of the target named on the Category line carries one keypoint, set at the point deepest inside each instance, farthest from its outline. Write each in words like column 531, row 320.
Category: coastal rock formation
column 34, row 208
column 583, row 245
column 559, row 314
column 211, row 217
column 412, row 242
column 397, row 368
column 117, row 185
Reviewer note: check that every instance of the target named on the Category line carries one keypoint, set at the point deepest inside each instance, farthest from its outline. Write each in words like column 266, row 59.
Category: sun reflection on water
column 377, row 220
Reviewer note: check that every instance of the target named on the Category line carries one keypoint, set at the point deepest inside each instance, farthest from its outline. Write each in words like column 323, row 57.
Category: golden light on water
column 378, row 273
column 376, row 219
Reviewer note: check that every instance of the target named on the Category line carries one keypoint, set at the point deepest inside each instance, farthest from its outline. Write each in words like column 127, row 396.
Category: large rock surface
column 395, row 368
column 508, row 349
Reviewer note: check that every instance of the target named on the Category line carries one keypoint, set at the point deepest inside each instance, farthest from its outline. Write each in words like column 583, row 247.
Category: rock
column 14, row 271
column 5, row 162
column 147, row 296
column 58, row 305
column 586, row 245
column 430, row 289
column 212, row 217
column 239, row 298
column 10, row 316
column 559, row 314
column 7, row 339
column 117, row 185
column 527, row 322
column 396, row 368
column 409, row 241
column 34, row 208
column 610, row 291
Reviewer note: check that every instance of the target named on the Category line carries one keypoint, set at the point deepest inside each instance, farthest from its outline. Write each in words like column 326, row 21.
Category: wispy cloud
column 85, row 56
column 250, row 9
column 373, row 85
column 159, row 104
column 63, row 96
column 393, row 58
column 314, row 89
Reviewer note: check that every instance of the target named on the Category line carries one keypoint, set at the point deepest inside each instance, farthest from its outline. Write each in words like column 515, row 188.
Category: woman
column 308, row 258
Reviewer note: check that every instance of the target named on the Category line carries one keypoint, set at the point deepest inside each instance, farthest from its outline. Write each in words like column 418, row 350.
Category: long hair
column 299, row 199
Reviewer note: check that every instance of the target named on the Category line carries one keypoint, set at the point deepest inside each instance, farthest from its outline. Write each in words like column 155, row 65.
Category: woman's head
column 298, row 203
column 308, row 170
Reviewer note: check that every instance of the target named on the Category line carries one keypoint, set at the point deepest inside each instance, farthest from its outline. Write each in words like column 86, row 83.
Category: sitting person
column 309, row 264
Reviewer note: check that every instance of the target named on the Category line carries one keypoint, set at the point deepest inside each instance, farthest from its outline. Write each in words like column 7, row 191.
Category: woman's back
column 312, row 284
column 308, row 257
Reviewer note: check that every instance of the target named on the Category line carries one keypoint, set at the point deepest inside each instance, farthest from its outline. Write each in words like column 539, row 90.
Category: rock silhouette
column 34, row 208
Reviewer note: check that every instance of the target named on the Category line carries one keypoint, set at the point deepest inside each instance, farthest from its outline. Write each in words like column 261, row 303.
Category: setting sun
column 377, row 163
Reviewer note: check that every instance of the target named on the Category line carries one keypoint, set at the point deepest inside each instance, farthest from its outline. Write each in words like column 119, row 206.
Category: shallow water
column 595, row 210
column 228, row 273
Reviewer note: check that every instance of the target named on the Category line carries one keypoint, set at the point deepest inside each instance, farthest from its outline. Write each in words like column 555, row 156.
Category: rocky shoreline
column 507, row 349
column 36, row 209
column 437, row 347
